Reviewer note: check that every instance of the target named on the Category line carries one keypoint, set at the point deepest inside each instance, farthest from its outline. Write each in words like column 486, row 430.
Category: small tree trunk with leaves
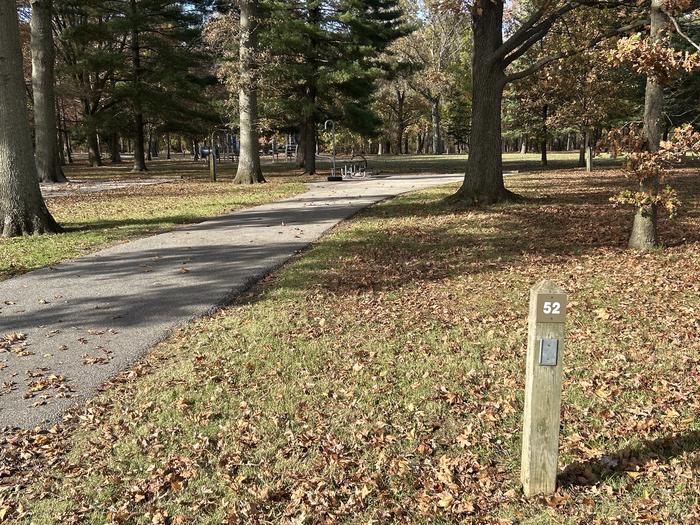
column 43, row 60
column 643, row 236
column 22, row 208
column 249, row 171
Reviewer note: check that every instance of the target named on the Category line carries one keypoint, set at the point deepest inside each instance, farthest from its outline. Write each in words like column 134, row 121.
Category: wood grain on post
column 545, row 348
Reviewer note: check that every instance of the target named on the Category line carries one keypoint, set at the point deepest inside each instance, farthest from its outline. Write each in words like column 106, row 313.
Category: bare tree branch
column 537, row 66
column 680, row 31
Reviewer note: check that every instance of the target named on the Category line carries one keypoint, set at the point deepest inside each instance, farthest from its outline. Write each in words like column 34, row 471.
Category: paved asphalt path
column 89, row 318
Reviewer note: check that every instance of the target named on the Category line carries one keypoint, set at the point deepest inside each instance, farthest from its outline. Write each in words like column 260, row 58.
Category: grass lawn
column 379, row 379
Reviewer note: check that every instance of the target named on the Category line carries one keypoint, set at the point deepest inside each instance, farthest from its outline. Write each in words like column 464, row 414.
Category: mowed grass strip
column 95, row 220
column 379, row 379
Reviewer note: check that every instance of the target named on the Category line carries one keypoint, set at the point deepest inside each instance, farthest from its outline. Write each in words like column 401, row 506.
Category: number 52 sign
column 551, row 308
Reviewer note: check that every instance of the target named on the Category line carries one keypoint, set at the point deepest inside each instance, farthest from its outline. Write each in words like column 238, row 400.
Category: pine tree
column 326, row 62
column 134, row 63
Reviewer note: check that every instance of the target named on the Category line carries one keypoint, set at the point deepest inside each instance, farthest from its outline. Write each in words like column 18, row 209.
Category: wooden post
column 545, row 349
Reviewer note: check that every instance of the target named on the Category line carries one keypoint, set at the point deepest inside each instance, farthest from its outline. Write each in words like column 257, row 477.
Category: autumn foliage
column 646, row 165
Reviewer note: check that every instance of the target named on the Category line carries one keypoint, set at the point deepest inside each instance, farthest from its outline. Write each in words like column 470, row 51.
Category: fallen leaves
column 383, row 383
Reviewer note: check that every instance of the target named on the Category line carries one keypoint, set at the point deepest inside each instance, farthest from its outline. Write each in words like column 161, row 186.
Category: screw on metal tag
column 549, row 352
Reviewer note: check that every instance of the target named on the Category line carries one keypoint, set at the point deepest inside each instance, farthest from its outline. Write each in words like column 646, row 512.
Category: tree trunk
column 167, row 140
column 400, row 118
column 545, row 109
column 195, row 150
column 139, row 158
column 300, row 152
column 483, row 181
column 310, row 147
column 43, row 60
column 249, row 171
column 61, row 150
column 523, row 146
column 582, row 150
column 589, row 158
column 93, row 144
column 435, row 122
column 643, row 236
column 114, row 149
column 22, row 208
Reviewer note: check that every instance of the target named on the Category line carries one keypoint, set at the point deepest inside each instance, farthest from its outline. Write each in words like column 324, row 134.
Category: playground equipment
column 356, row 168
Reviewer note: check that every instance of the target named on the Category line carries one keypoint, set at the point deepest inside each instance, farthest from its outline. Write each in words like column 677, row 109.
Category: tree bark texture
column 22, row 208
column 543, row 151
column 93, row 143
column 435, row 121
column 43, row 61
column 139, row 157
column 483, row 181
column 300, row 152
column 644, row 236
column 114, row 149
column 310, row 146
column 249, row 171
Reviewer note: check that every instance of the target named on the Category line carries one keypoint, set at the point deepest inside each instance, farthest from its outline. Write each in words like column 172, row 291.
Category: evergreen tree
column 135, row 63
column 325, row 63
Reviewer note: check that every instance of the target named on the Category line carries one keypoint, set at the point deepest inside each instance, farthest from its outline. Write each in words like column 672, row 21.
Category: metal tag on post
column 549, row 352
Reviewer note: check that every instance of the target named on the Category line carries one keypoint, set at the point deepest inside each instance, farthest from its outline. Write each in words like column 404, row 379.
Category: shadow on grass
column 628, row 459
column 422, row 239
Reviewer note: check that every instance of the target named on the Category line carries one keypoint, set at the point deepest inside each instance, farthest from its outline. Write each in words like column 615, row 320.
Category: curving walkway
column 89, row 318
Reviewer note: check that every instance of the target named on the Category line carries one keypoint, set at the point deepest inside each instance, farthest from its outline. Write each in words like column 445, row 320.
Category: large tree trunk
column 643, row 236
column 483, row 181
column 43, row 59
column 22, row 208
column 139, row 157
column 435, row 121
column 249, row 171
